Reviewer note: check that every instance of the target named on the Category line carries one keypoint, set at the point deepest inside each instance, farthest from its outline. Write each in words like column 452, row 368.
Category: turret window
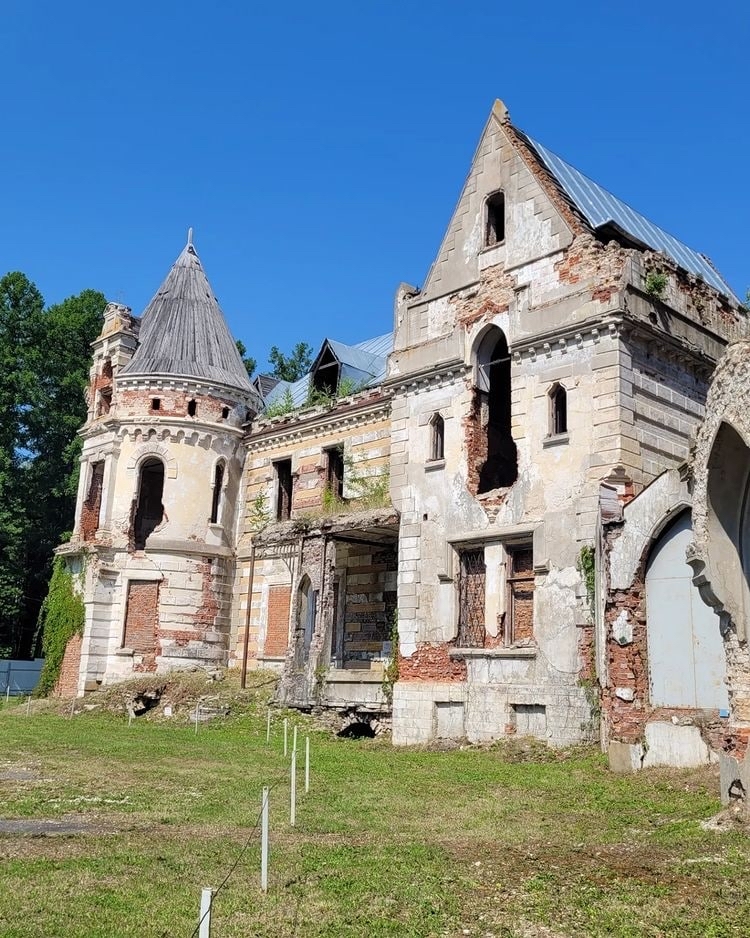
column 149, row 511
column 437, row 438
column 558, row 410
column 155, row 403
column 192, row 408
column 216, row 499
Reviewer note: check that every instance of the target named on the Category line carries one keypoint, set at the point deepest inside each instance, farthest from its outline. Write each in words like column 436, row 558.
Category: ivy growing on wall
column 61, row 617
column 390, row 671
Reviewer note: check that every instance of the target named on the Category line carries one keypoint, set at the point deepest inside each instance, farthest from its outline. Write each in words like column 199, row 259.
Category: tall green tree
column 247, row 360
column 44, row 364
column 291, row 367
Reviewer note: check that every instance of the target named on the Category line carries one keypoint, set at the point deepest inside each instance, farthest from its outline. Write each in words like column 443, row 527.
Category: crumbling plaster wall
column 721, row 468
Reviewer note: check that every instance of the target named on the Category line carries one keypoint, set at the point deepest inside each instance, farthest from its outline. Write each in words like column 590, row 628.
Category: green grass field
column 500, row 842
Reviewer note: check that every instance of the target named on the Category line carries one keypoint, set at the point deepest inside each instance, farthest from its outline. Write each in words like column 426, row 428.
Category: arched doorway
column 687, row 666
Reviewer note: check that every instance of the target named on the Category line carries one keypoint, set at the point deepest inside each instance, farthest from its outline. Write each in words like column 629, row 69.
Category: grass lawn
column 388, row 842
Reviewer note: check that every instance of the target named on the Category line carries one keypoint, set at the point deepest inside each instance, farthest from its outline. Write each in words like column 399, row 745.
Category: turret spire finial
column 190, row 237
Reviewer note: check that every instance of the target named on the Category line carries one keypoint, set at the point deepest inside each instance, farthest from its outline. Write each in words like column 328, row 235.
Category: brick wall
column 67, row 682
column 277, row 627
column 370, row 604
column 142, row 616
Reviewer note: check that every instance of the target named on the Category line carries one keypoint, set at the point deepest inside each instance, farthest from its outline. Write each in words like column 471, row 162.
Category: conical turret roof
column 184, row 332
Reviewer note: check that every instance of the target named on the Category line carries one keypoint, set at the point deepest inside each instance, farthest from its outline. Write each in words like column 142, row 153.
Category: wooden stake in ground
column 204, row 923
column 264, row 841
column 293, row 791
column 307, row 764
column 286, row 728
column 294, row 739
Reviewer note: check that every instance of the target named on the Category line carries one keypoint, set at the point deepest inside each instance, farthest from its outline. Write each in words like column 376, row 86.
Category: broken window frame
column 140, row 520
column 514, row 579
column 493, row 402
column 335, row 471
column 558, row 410
column 471, row 590
column 284, row 489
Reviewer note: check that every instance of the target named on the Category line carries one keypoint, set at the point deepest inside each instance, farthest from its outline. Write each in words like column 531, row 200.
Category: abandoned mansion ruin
column 477, row 523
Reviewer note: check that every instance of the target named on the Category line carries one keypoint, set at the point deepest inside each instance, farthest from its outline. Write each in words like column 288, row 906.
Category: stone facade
column 413, row 533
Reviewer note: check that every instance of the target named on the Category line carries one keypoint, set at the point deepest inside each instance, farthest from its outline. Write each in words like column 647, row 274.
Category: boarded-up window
column 142, row 616
column 521, row 593
column 277, row 628
column 471, row 589
column 92, row 505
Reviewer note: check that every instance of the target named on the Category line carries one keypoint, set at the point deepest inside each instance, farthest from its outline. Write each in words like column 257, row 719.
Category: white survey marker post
column 204, row 922
column 264, row 841
column 307, row 764
column 286, row 729
column 294, row 739
column 293, row 791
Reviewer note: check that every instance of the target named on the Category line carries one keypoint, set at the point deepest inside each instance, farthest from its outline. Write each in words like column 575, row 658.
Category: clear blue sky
column 318, row 149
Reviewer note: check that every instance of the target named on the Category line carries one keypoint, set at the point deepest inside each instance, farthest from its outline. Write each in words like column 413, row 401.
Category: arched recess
column 493, row 449
column 725, row 584
column 149, row 509
column 218, row 488
column 687, row 664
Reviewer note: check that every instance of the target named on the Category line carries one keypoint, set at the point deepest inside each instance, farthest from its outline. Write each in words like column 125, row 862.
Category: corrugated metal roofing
column 183, row 331
column 600, row 207
column 365, row 363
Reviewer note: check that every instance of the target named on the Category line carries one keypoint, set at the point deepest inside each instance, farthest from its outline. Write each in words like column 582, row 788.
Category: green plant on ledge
column 390, row 671
column 655, row 283
column 61, row 617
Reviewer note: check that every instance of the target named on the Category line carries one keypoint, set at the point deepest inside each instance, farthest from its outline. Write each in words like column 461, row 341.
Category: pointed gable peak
column 184, row 332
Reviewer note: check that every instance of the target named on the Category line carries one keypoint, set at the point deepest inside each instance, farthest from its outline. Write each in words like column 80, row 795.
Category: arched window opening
column 191, row 408
column 306, row 609
column 216, row 499
column 325, row 378
column 149, row 511
column 224, row 413
column 492, row 407
column 494, row 232
column 558, row 410
column 107, row 369
column 437, row 437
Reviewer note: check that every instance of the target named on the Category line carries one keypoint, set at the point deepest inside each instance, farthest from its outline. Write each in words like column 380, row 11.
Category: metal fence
column 21, row 677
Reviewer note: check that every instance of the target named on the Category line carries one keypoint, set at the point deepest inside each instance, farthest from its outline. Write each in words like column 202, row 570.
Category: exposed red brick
column 205, row 616
column 92, row 505
column 277, row 628
column 432, row 662
column 67, row 681
column 142, row 617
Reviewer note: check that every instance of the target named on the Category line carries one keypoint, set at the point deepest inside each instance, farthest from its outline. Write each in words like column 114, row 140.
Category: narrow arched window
column 217, row 491
column 191, row 408
column 494, row 232
column 149, row 511
column 495, row 457
column 558, row 410
column 437, row 437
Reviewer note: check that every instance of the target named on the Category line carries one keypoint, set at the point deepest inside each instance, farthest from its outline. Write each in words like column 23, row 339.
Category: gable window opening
column 149, row 511
column 335, row 472
column 155, row 403
column 325, row 377
column 520, row 582
column 283, row 489
column 495, row 221
column 558, row 410
column 224, row 413
column 192, row 407
column 216, row 499
column 472, row 581
column 437, row 438
column 493, row 403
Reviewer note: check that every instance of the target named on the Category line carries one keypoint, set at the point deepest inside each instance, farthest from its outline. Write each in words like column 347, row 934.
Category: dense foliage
column 293, row 366
column 61, row 617
column 45, row 356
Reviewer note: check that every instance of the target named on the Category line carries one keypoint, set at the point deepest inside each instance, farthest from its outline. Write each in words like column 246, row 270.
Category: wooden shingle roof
column 184, row 332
